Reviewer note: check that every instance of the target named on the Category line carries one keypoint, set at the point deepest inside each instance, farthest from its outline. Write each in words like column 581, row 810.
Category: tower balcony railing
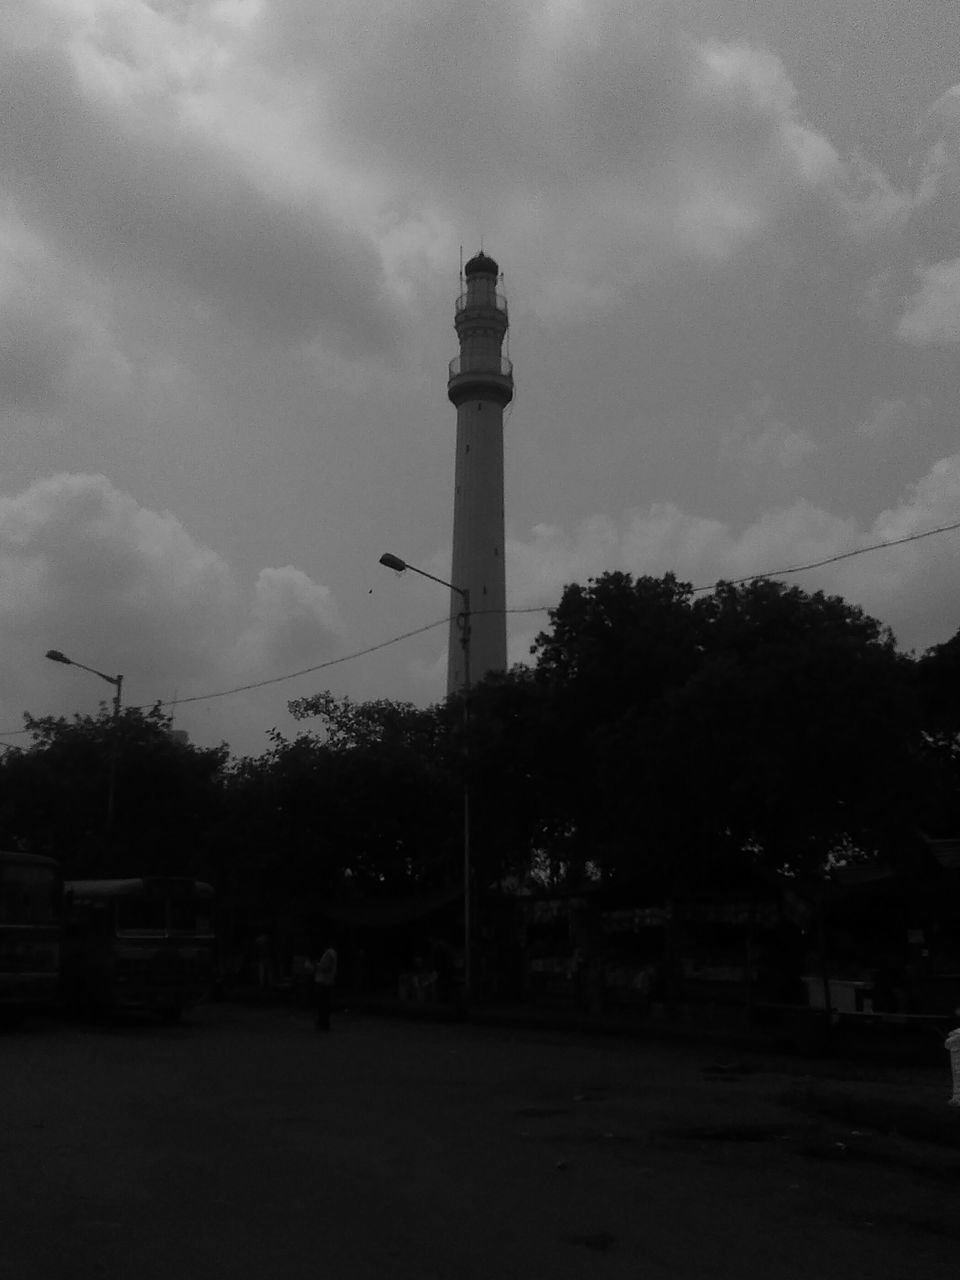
column 484, row 299
column 501, row 367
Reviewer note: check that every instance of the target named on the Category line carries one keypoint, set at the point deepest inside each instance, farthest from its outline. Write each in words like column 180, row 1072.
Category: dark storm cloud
column 135, row 193
column 730, row 255
column 604, row 136
column 36, row 347
column 86, row 563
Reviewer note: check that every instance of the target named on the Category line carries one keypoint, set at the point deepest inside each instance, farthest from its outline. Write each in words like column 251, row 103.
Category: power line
column 260, row 684
column 843, row 555
column 407, row 635
column 292, row 675
column 797, row 568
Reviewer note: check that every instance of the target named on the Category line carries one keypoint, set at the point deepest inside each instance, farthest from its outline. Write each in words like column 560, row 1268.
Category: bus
column 143, row 943
column 29, row 931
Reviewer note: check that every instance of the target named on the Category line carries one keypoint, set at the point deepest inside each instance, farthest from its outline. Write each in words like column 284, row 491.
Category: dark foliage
column 660, row 739
column 54, row 794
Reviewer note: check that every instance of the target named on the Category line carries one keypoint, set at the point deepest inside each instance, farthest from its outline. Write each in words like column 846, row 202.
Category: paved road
column 243, row 1144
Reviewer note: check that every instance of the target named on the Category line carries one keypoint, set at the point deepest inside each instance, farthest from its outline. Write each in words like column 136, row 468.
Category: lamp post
column 117, row 681
column 394, row 562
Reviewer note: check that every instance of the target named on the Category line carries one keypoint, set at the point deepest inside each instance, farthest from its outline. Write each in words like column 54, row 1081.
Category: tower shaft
column 480, row 385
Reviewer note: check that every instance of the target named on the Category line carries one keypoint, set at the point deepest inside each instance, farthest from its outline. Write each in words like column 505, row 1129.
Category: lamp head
column 393, row 562
column 56, row 656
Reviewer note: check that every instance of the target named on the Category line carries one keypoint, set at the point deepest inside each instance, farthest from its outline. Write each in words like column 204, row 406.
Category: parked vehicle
column 145, row 943
column 29, row 931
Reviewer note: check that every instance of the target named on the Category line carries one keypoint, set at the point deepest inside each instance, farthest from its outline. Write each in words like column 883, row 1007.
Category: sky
column 230, row 237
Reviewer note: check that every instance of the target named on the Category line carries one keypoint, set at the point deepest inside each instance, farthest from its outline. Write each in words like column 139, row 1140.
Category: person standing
column 264, row 959
column 324, row 977
column 444, row 968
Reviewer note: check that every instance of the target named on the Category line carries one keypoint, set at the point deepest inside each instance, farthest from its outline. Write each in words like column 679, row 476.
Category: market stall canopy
column 386, row 913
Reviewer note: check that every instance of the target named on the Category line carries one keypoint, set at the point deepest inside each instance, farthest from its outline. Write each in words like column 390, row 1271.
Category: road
column 244, row 1144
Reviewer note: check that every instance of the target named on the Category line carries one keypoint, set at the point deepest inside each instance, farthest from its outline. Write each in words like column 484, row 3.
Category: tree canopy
column 659, row 739
column 54, row 793
column 756, row 722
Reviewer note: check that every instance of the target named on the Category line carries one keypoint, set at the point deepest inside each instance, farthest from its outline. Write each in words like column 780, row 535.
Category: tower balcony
column 500, row 367
column 479, row 299
column 481, row 379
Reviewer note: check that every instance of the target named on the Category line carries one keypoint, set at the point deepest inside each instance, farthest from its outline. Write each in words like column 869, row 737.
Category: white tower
column 480, row 385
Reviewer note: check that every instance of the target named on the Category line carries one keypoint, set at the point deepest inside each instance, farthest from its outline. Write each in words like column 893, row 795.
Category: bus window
column 141, row 916
column 143, row 943
column 85, row 919
column 191, row 916
column 29, row 930
column 27, row 895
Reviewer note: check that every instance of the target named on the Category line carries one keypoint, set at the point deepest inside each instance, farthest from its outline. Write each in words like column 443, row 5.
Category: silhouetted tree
column 757, row 724
column 938, row 693
column 53, row 794
column 662, row 738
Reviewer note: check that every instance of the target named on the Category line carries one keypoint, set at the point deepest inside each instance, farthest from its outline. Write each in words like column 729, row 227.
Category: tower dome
column 480, row 264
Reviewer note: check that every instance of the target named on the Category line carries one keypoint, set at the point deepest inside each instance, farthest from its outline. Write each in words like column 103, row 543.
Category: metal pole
column 117, row 681
column 467, row 862
column 825, row 963
column 115, row 752
column 399, row 565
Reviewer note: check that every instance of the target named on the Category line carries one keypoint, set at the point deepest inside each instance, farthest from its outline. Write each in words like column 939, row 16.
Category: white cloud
column 294, row 620
column 932, row 315
column 909, row 587
column 889, row 417
column 761, row 442
column 100, row 149
column 663, row 539
column 538, row 569
column 476, row 117
column 54, row 342
column 298, row 171
column 933, row 499
column 90, row 571
column 935, row 156
column 228, row 245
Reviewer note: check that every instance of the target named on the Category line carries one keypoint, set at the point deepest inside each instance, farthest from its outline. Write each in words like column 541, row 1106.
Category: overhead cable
column 542, row 608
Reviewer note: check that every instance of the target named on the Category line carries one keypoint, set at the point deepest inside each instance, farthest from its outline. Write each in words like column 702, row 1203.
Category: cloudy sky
column 229, row 251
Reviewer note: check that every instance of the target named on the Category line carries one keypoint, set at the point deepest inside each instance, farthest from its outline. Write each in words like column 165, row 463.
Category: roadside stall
column 631, row 960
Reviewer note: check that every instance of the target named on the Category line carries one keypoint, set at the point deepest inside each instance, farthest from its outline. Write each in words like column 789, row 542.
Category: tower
column 481, row 386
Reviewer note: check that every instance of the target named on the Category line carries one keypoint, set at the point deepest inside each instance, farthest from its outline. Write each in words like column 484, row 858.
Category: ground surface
column 243, row 1144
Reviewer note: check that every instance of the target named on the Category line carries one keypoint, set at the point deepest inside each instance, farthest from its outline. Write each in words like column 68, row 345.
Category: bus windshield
column 141, row 942
column 191, row 916
column 141, row 915
column 28, row 894
column 152, row 914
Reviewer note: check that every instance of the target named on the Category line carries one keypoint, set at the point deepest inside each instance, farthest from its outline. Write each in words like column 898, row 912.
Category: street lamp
column 394, row 562
column 117, row 681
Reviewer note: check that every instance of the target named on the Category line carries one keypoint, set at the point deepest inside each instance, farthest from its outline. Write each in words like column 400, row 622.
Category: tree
column 810, row 710
column 513, row 787
column 614, row 646
column 938, row 694
column 53, row 794
column 757, row 724
column 401, row 772
column 393, row 798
